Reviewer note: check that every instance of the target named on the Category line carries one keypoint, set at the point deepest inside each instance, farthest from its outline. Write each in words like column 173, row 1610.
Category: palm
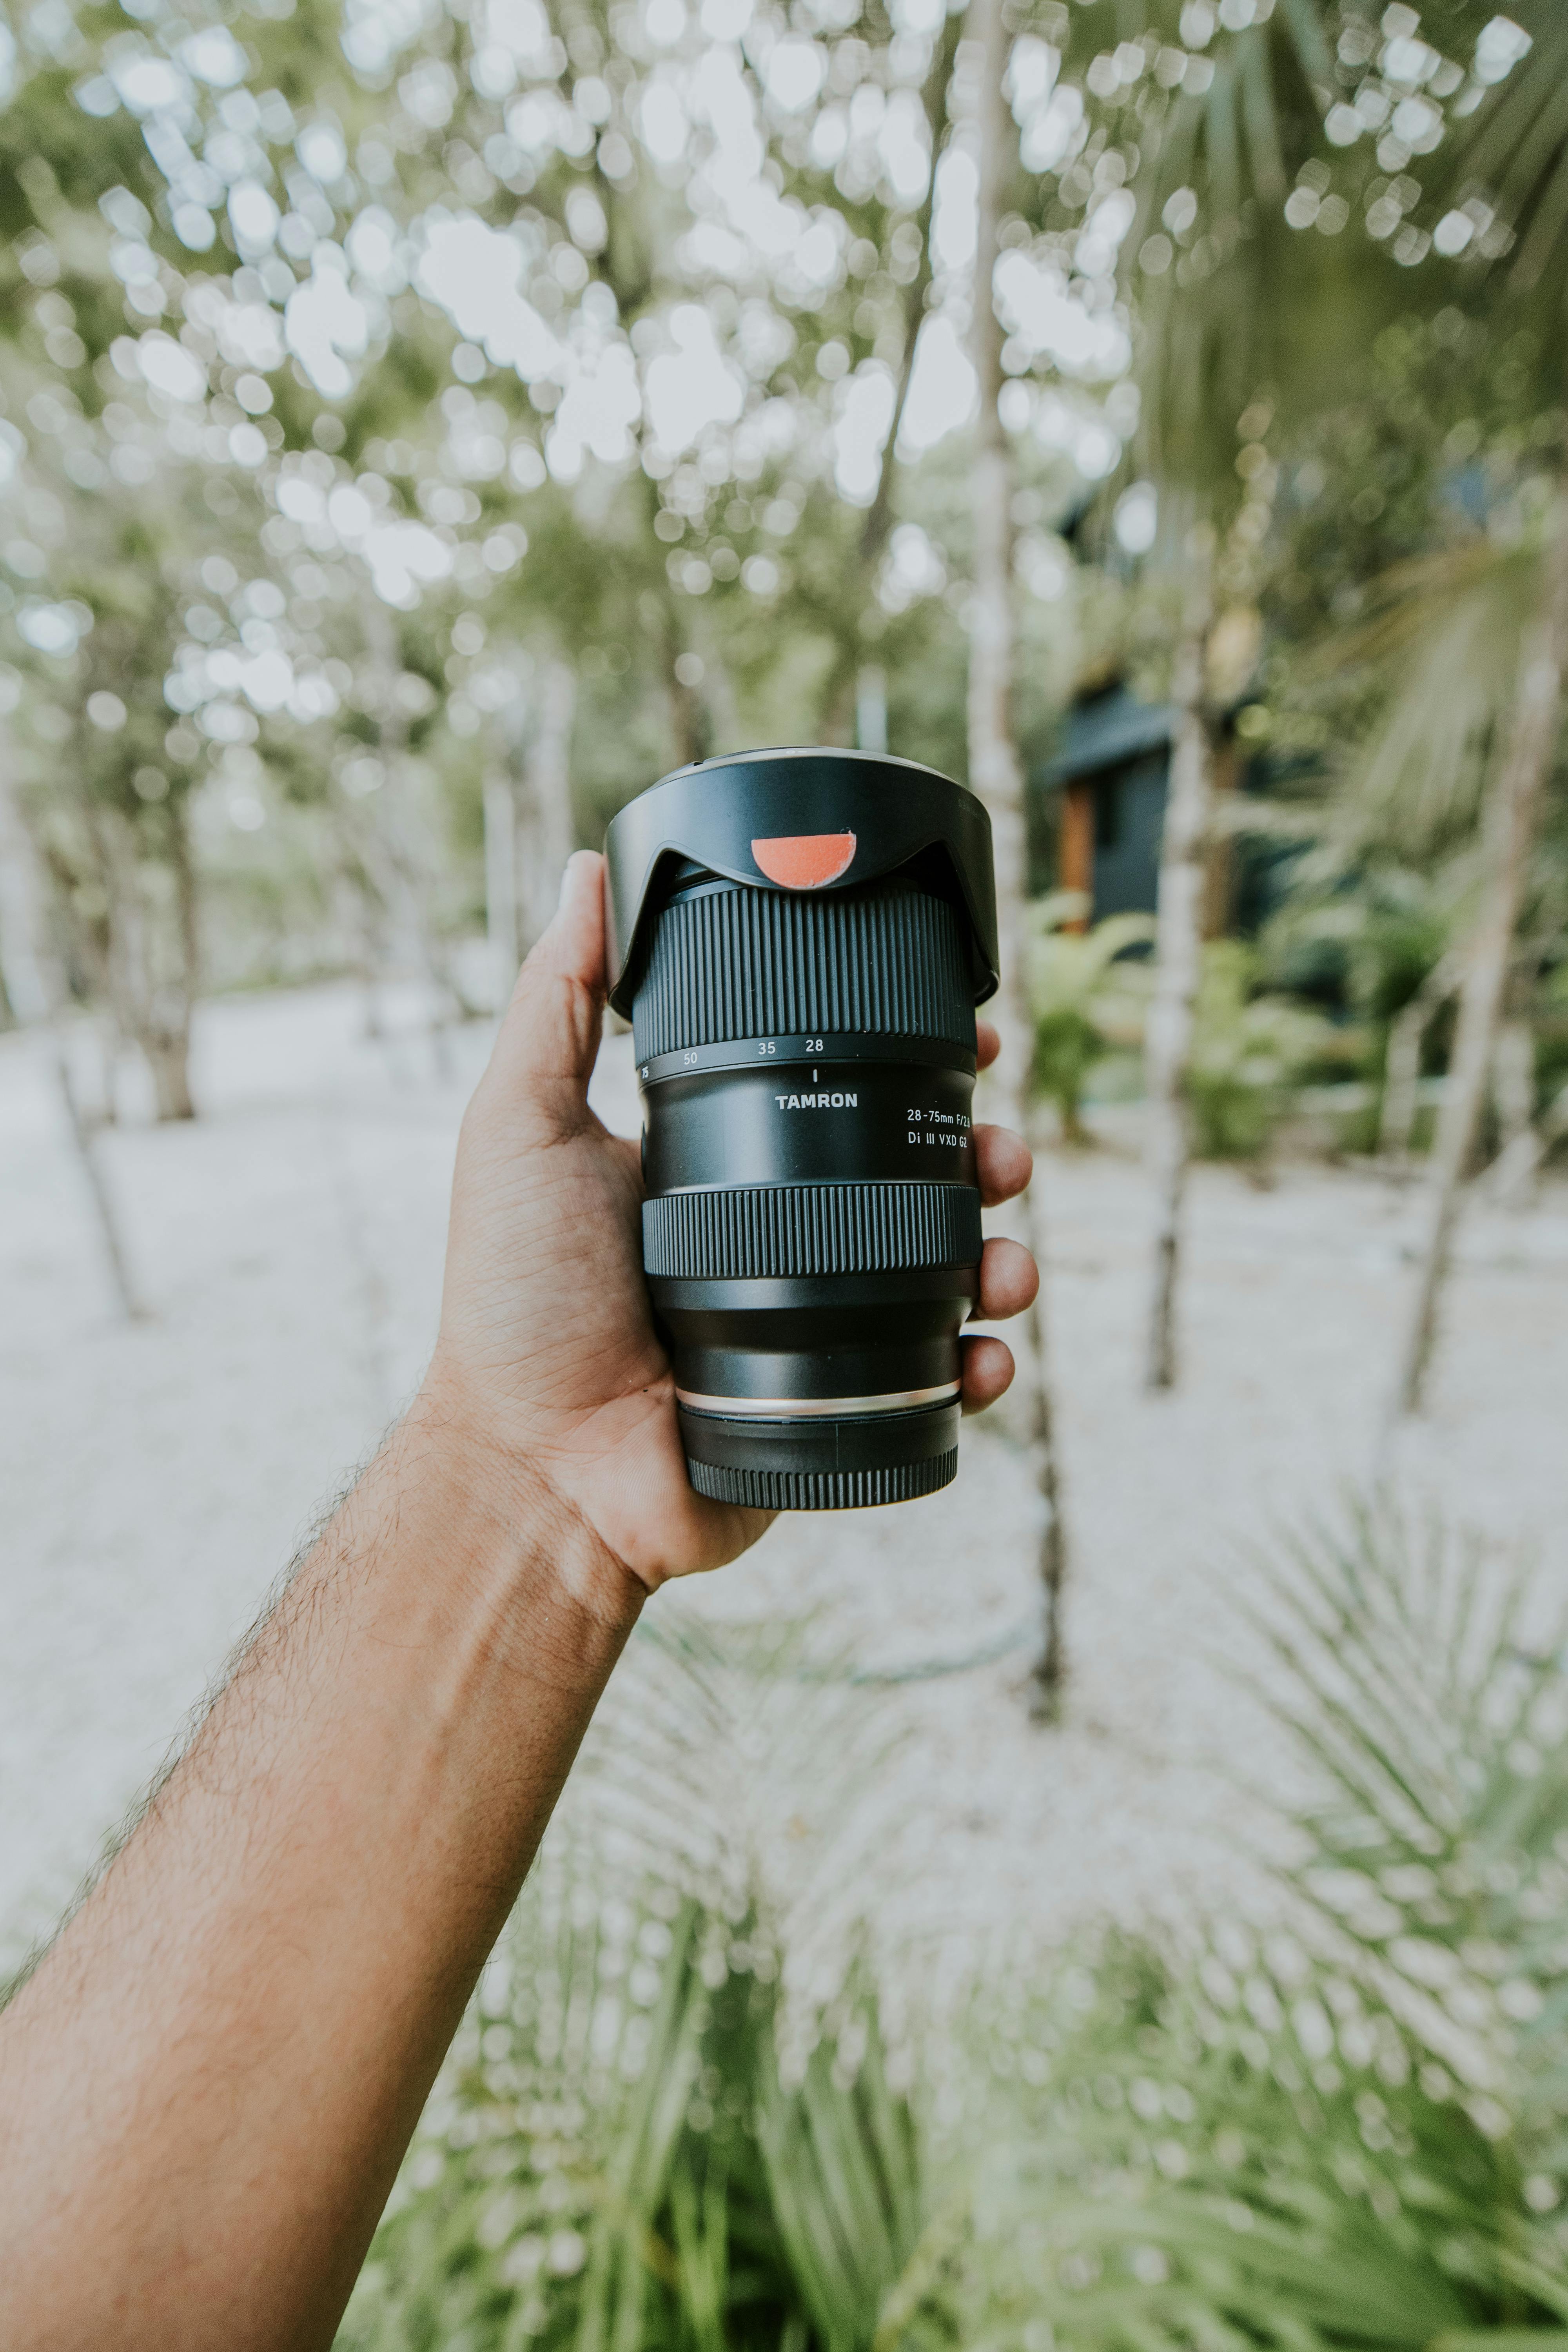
column 548, row 1310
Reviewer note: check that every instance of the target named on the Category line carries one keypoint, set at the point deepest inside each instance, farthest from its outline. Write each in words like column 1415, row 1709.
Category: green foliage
column 1084, row 999
column 1249, row 1051
column 616, row 2159
column 1341, row 2125
column 1375, row 938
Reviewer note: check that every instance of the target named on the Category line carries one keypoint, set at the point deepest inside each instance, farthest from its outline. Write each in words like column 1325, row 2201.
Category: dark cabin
column 1101, row 801
column 1096, row 811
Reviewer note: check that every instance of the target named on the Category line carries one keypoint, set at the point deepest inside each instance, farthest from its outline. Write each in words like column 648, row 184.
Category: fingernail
column 570, row 877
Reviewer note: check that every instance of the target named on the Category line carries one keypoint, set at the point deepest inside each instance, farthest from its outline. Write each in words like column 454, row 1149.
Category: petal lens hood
column 795, row 820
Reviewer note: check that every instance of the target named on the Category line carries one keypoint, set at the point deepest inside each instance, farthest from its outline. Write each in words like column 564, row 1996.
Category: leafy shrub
column 1346, row 2128
column 1084, row 999
column 617, row 2159
column 1250, row 1052
column 1351, row 2129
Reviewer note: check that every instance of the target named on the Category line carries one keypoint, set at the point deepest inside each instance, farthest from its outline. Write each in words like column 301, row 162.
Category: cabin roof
column 1106, row 732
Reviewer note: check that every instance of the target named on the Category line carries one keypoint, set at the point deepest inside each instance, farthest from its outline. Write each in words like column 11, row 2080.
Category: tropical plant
column 1083, row 999
column 1517, row 145
column 643, row 2136
column 1473, row 132
column 1341, row 2123
column 1205, row 121
column 1250, row 1048
column 1373, row 942
column 617, row 2158
column 1345, row 2125
column 1472, row 644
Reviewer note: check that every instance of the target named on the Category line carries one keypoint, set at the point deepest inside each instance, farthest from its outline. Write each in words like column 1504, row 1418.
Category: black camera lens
column 799, row 940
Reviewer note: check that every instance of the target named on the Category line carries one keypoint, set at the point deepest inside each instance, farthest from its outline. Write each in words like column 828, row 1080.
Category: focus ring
column 731, row 962
column 783, row 1230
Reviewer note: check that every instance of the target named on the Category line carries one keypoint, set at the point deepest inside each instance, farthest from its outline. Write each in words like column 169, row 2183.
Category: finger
column 987, row 1372
column 574, row 943
column 549, row 1040
column 1009, row 1279
column 987, row 1043
column 1003, row 1164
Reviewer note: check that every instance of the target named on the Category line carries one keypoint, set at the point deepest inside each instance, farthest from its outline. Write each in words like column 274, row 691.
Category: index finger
column 987, row 1043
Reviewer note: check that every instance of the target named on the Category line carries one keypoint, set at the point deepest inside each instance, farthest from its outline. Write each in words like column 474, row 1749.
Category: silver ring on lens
column 818, row 1408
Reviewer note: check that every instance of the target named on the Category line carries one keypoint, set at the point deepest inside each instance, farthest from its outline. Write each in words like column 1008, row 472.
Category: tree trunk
column 1512, row 1180
column 687, row 719
column 170, row 1051
column 1178, row 968
column 151, row 1009
column 91, row 1163
column 872, row 709
column 395, row 849
column 725, row 732
column 1514, row 1080
column 1401, row 1058
column 36, row 987
column 168, row 1056
column 549, row 828
column 839, row 710
column 995, row 774
column 1219, row 861
column 1515, row 791
column 24, row 945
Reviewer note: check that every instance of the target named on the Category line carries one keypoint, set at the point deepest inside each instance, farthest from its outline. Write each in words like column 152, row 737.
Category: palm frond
column 844, row 2167
column 1448, row 639
column 1515, row 146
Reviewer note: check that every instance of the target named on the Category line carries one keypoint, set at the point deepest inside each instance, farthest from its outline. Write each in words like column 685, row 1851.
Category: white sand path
column 154, row 1480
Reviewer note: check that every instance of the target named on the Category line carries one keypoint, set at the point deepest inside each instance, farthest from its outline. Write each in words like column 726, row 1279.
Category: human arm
column 206, row 2086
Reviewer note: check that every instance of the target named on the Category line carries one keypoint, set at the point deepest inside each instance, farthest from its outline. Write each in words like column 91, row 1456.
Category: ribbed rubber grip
column 824, row 1490
column 780, row 1230
column 733, row 963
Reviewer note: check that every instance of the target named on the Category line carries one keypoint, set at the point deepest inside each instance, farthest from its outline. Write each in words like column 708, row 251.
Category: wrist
column 510, row 1522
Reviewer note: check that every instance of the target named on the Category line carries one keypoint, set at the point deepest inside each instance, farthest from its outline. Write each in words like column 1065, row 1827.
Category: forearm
column 205, row 2088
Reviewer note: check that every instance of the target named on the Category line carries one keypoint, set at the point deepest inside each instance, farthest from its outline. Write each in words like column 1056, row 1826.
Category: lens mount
column 843, row 1464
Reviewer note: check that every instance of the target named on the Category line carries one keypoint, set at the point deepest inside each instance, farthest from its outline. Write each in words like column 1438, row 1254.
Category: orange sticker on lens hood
column 806, row 861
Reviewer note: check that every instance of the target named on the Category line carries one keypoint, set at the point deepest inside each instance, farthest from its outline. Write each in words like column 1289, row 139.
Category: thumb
column 549, row 1040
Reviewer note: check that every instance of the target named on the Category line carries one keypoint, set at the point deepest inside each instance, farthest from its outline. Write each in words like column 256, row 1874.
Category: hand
column 547, row 1355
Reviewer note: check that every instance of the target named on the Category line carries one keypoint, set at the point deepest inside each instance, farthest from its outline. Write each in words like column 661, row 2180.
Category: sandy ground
column 154, row 1480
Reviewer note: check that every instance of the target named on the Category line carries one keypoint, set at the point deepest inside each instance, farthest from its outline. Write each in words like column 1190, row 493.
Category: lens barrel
column 800, row 939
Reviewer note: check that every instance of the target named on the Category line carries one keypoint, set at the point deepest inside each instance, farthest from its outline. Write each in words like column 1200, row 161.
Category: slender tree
column 1521, row 763
column 1238, row 321
column 1402, row 1060
column 849, row 695
column 37, row 992
column 1503, row 175
column 995, row 772
column 1178, row 951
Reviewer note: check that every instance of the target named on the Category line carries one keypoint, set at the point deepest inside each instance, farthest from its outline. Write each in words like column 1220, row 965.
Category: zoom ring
column 783, row 1230
column 732, row 964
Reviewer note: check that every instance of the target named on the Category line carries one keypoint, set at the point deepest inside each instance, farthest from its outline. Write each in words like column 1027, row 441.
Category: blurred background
column 1121, row 1901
